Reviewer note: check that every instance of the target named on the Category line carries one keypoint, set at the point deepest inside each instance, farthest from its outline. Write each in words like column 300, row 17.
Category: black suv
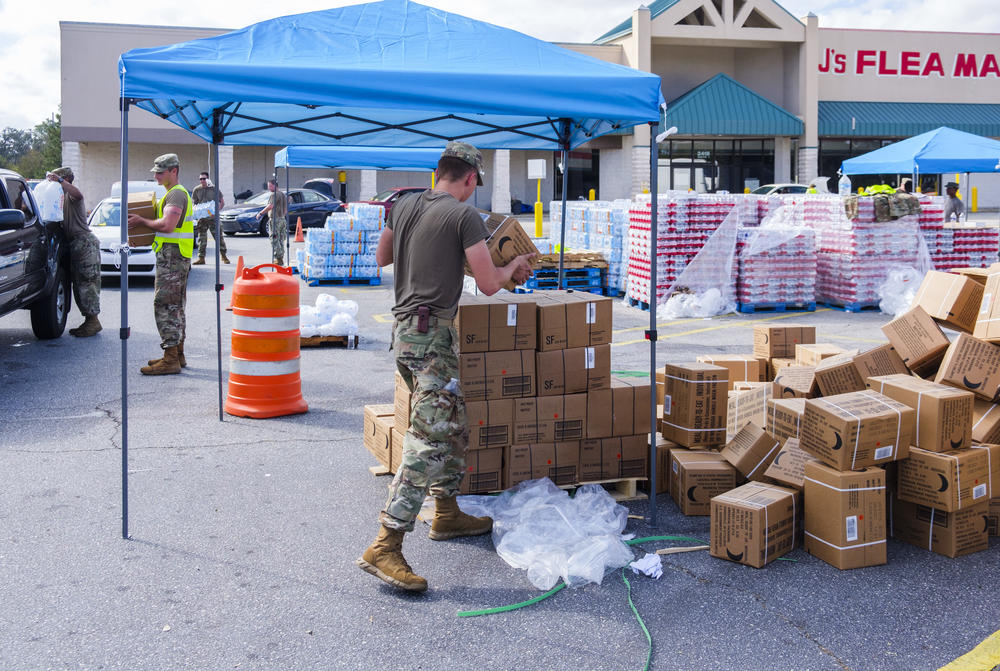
column 34, row 260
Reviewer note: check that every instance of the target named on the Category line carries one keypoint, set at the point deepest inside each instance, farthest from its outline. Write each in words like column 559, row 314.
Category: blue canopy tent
column 385, row 74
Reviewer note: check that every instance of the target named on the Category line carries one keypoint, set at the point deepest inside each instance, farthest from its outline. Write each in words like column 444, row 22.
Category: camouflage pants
column 279, row 235
column 204, row 226
column 434, row 446
column 170, row 294
column 85, row 270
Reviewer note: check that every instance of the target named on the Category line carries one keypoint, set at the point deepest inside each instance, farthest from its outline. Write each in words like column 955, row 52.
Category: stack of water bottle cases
column 344, row 249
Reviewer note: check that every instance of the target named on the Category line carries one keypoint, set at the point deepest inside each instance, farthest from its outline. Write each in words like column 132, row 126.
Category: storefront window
column 584, row 174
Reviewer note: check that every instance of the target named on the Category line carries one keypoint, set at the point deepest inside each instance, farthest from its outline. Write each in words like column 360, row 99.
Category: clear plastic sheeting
column 329, row 317
column 896, row 294
column 539, row 528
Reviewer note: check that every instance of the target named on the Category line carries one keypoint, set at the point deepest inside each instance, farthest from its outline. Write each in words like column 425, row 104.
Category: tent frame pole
column 651, row 335
column 216, row 135
column 564, row 141
column 288, row 216
column 123, row 331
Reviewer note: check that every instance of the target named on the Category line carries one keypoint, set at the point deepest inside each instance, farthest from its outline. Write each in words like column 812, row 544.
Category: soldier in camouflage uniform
column 278, row 223
column 84, row 254
column 430, row 237
column 205, row 193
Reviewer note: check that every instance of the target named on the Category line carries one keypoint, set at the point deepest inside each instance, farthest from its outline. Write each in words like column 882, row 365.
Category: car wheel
column 49, row 313
column 262, row 227
column 229, row 234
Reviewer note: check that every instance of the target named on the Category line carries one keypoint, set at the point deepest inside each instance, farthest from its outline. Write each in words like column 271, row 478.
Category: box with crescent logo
column 614, row 458
column 951, row 534
column 852, row 431
column 813, row 354
column 620, row 410
column 948, row 481
column 507, row 241
column 880, row 360
column 784, row 417
column 985, row 421
column 952, row 300
column 944, row 414
column 845, row 515
column 568, row 319
column 993, row 457
column 751, row 451
column 746, row 403
column 741, row 368
column 838, row 375
column 779, row 340
column 573, row 371
column 559, row 462
column 695, row 403
column 490, row 375
column 776, row 365
column 548, row 419
column 496, row 323
column 788, row 467
column 696, row 476
column 378, row 420
column 795, row 382
column 401, row 399
column 483, row 471
column 972, row 364
column 918, row 340
column 988, row 320
column 754, row 524
column 491, row 423
column 663, row 447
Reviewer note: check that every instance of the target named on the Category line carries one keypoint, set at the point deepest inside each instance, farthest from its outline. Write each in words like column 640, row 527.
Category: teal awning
column 885, row 120
column 723, row 106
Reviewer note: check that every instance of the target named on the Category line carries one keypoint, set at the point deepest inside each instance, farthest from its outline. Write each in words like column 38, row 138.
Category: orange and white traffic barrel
column 264, row 376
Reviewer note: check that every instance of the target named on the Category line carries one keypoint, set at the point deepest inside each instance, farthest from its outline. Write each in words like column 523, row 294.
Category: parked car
column 390, row 197
column 779, row 189
column 135, row 186
column 105, row 222
column 34, row 260
column 311, row 205
column 328, row 186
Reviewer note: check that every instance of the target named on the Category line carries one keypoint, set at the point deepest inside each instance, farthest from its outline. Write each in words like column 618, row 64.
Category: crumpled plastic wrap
column 539, row 528
column 896, row 294
column 707, row 285
column 329, row 317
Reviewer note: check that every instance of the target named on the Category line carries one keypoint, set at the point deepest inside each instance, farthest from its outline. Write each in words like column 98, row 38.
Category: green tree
column 47, row 140
column 33, row 152
column 14, row 144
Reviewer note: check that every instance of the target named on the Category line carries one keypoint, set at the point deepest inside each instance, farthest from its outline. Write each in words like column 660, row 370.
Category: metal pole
column 288, row 218
column 562, row 229
column 123, row 331
column 654, row 161
column 218, row 277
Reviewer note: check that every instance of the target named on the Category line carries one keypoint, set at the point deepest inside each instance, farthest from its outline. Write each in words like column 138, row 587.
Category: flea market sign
column 887, row 63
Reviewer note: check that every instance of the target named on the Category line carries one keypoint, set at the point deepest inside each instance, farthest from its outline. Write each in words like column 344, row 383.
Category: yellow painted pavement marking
column 739, row 324
column 851, row 338
column 385, row 318
column 983, row 657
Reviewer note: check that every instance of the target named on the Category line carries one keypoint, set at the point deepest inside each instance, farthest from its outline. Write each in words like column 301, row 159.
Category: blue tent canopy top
column 938, row 151
column 390, row 73
column 358, row 158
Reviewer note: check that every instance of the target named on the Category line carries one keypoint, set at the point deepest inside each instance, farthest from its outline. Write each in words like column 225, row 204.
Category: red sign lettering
column 882, row 68
column 933, row 65
column 965, row 66
column 865, row 59
column 910, row 64
column 990, row 66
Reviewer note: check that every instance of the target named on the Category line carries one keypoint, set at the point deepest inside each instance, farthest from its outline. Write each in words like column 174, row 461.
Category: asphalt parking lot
column 244, row 532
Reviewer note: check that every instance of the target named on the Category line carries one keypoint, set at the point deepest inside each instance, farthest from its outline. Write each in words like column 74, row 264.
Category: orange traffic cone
column 239, row 271
column 298, row 231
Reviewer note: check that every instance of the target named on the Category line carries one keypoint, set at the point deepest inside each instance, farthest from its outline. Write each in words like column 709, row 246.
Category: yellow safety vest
column 183, row 235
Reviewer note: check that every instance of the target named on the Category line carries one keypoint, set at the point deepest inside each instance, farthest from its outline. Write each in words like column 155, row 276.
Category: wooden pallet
column 379, row 469
column 621, row 489
column 347, row 342
column 572, row 260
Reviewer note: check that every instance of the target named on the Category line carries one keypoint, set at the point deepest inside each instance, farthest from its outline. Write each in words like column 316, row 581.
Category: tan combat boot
column 168, row 365
column 384, row 560
column 180, row 357
column 225, row 259
column 199, row 262
column 91, row 326
column 451, row 522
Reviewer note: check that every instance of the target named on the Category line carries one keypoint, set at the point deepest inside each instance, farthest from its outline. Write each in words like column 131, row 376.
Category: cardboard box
column 402, row 405
column 980, row 275
column 751, row 451
column 142, row 203
column 950, row 534
column 614, row 458
column 852, row 431
column 694, row 406
column 395, row 449
column 484, row 471
column 776, row 365
column 993, row 517
column 993, row 462
column 784, row 417
column 789, row 465
column 490, row 375
column 573, row 371
column 795, row 382
column 663, row 447
column 377, row 424
column 839, row 375
column 491, row 423
column 550, row 419
column 845, row 515
column 972, row 364
column 741, row 368
column 779, row 340
column 620, row 410
column 880, row 360
column 568, row 319
column 559, row 462
column 948, row 481
column 660, row 387
column 496, row 323
column 507, row 241
column 813, row 354
column 944, row 414
column 746, row 403
column 985, row 421
column 696, row 476
column 917, row 339
column 952, row 300
column 988, row 318
column 754, row 524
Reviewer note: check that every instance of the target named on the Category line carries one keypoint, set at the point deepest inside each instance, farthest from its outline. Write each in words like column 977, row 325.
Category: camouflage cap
column 64, row 171
column 466, row 152
column 951, row 185
column 165, row 162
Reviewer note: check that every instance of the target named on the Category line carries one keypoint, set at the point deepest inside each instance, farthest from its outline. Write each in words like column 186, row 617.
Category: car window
column 312, row 197
column 763, row 189
column 295, row 197
column 20, row 200
column 261, row 198
column 793, row 189
column 384, row 195
column 107, row 213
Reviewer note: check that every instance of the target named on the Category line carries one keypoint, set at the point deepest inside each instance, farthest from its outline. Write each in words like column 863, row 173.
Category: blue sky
column 29, row 34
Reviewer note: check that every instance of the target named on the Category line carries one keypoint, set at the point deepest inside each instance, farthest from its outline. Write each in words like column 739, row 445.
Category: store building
column 756, row 94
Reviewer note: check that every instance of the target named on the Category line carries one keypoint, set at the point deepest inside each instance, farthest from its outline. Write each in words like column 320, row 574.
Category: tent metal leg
column 218, row 277
column 288, row 221
column 123, row 332
column 562, row 228
column 651, row 334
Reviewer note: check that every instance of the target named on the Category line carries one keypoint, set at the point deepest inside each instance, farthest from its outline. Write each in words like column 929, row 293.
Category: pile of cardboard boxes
column 535, row 370
column 840, row 450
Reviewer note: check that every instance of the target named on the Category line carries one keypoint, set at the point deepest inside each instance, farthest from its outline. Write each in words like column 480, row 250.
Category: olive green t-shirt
column 74, row 217
column 279, row 201
column 430, row 233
